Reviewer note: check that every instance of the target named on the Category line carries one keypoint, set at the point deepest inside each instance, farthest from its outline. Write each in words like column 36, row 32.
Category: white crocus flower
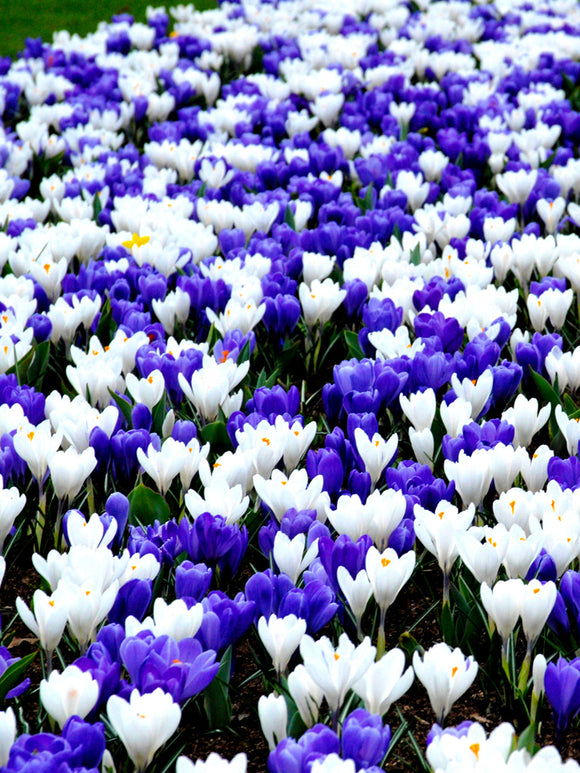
column 305, row 693
column 281, row 636
column 69, row 469
column 505, row 465
column 213, row 764
column 320, row 300
column 526, row 419
column 12, row 503
column 537, row 601
column 74, row 692
column 209, row 387
column 164, row 465
column 471, row 475
column 281, row 493
column 483, row 559
column 88, row 606
column 503, row 605
column 147, row 391
column 357, row 592
column 387, row 573
column 92, row 533
column 289, row 554
column 446, row 674
column 7, row 734
column 335, row 670
column 439, row 531
column 385, row 681
column 535, row 468
column 419, row 408
column 475, row 392
column 48, row 620
column 570, row 429
column 175, row 620
column 36, row 445
column 375, row 452
column 223, row 500
column 144, row 723
column 273, row 714
column 455, row 415
column 521, row 551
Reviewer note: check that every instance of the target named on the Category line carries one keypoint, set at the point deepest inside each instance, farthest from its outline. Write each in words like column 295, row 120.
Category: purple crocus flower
column 364, row 738
column 292, row 756
column 562, row 686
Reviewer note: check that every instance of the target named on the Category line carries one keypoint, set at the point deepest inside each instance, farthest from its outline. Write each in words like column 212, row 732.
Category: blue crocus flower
column 364, row 738
column 562, row 686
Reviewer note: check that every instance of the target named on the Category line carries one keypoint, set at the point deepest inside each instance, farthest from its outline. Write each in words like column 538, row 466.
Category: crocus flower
column 273, row 715
column 213, row 764
column 74, row 692
column 562, row 686
column 144, row 723
column 336, row 670
column 446, row 674
column 281, row 637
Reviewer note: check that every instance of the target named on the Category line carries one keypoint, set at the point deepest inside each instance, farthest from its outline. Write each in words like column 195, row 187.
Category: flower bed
column 288, row 365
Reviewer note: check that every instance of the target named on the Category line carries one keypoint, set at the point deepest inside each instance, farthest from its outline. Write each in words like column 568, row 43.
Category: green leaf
column 159, row 413
column 14, row 674
column 572, row 409
column 409, row 644
column 447, row 626
column 216, row 697
column 367, row 203
column 97, row 206
column 105, row 326
column 147, row 506
column 289, row 218
column 416, row 255
column 202, row 190
column 216, row 434
column 546, row 390
column 296, row 726
column 37, row 367
column 352, row 344
column 125, row 407
column 527, row 740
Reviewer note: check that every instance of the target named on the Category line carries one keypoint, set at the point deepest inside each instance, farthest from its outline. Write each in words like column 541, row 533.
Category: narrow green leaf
column 37, row 367
column 416, row 255
column 289, row 218
column 125, row 407
column 216, row 697
column 447, row 625
column 547, row 391
column 527, row 740
column 409, row 644
column 352, row 344
column 147, row 506
column 14, row 674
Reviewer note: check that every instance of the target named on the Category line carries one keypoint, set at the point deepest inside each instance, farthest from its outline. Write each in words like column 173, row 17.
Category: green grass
column 23, row 19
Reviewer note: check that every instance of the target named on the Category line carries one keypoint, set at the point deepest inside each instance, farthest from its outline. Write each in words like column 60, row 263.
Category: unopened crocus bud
column 7, row 734
column 273, row 715
column 281, row 636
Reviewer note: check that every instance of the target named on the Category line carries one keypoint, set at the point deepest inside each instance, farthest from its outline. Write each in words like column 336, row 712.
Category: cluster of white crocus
column 378, row 517
column 509, row 600
column 84, row 583
column 474, row 750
